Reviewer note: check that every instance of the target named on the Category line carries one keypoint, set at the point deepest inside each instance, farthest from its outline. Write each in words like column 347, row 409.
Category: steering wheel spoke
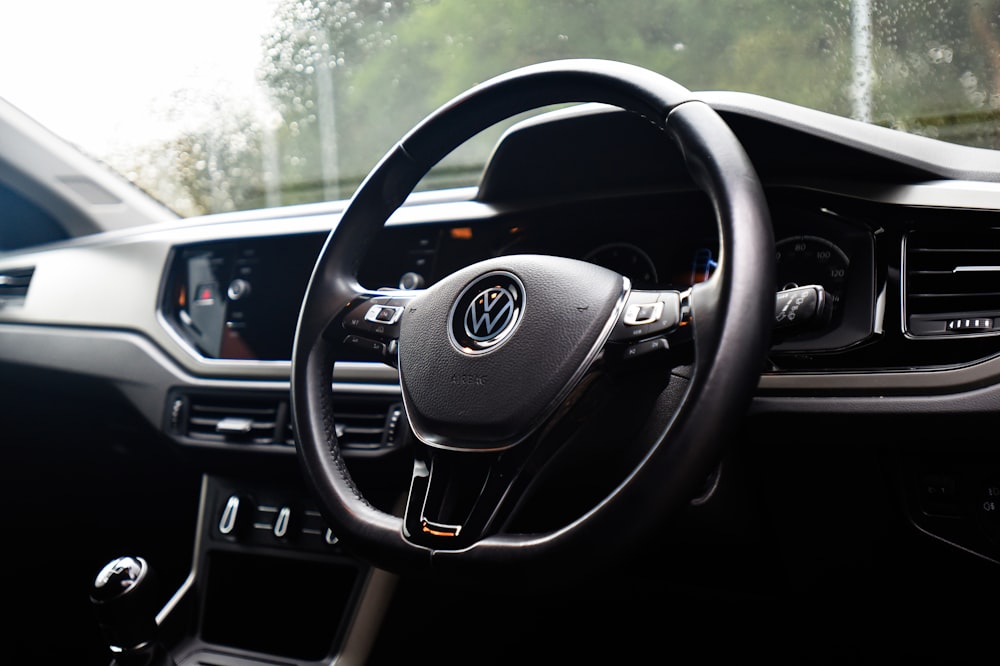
column 651, row 322
column 372, row 324
column 456, row 499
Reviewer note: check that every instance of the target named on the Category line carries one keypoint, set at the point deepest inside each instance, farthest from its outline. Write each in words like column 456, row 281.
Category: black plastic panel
column 290, row 608
column 268, row 587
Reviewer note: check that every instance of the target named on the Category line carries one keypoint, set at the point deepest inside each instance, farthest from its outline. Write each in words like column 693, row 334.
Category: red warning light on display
column 205, row 294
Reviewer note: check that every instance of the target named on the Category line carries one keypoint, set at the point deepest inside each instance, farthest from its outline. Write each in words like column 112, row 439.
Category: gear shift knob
column 124, row 595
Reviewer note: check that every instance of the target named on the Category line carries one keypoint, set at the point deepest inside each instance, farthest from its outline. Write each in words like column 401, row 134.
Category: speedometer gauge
column 627, row 259
column 804, row 260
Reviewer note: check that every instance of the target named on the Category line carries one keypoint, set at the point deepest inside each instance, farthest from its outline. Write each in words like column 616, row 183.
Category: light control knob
column 411, row 280
column 238, row 289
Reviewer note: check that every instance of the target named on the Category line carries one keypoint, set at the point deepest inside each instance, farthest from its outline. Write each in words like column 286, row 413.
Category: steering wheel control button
column 486, row 312
column 637, row 349
column 641, row 314
column 378, row 317
column 648, row 313
column 375, row 348
column 386, row 315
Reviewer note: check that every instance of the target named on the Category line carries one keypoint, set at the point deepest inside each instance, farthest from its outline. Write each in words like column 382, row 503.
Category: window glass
column 238, row 104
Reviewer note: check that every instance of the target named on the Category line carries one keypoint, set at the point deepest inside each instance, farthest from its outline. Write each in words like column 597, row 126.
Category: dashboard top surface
column 635, row 211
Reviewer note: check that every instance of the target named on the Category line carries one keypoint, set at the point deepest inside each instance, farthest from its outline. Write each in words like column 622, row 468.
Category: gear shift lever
column 125, row 597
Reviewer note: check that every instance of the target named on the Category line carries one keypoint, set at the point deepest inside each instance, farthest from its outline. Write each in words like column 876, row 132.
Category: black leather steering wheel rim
column 730, row 322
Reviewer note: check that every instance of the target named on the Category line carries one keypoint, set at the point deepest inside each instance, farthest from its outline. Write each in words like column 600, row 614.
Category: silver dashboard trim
column 145, row 374
column 958, row 194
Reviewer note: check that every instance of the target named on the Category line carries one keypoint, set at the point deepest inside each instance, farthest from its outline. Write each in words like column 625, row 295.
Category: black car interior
column 742, row 409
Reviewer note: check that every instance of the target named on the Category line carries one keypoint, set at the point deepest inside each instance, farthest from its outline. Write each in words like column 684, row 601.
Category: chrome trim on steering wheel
column 486, row 321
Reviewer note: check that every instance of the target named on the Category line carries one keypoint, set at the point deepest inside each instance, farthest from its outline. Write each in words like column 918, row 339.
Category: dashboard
column 901, row 249
column 238, row 299
column 191, row 323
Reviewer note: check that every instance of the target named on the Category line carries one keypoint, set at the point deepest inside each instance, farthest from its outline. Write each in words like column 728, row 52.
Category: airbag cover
column 489, row 352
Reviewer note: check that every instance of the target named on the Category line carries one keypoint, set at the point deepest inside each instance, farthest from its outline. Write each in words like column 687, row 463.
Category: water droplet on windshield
column 940, row 55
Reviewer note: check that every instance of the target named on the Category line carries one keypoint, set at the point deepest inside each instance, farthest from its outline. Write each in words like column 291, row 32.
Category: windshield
column 215, row 105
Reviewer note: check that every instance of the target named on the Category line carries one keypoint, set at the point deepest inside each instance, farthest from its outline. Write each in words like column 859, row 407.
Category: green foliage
column 441, row 48
column 348, row 78
column 938, row 68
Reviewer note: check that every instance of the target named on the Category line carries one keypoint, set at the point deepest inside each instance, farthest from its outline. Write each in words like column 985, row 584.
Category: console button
column 231, row 516
column 282, row 522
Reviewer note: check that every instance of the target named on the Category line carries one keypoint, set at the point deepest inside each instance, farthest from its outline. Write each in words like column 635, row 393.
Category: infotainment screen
column 241, row 299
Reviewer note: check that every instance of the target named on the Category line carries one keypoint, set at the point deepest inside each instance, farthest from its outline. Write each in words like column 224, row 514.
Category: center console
column 270, row 584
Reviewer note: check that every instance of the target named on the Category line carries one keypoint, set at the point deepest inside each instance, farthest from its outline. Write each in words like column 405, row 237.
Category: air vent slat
column 363, row 424
column 366, row 425
column 954, row 295
column 952, row 276
column 232, row 420
column 14, row 284
column 233, row 409
column 358, row 430
column 954, row 250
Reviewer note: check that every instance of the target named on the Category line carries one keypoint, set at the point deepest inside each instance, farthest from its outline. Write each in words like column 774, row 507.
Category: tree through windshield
column 341, row 80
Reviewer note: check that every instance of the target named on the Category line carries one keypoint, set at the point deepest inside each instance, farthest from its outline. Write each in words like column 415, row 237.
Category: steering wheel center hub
column 486, row 354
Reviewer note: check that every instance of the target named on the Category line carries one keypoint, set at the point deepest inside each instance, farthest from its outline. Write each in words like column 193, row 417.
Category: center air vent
column 952, row 283
column 14, row 284
column 363, row 424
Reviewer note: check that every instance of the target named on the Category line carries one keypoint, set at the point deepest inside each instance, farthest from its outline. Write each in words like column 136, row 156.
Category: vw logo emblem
column 489, row 313
column 486, row 312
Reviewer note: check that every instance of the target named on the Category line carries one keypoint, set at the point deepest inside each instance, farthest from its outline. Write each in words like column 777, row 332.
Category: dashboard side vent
column 952, row 283
column 367, row 424
column 14, row 284
column 363, row 424
column 230, row 419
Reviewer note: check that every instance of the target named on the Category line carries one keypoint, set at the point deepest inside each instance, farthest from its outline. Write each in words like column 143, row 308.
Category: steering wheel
column 497, row 361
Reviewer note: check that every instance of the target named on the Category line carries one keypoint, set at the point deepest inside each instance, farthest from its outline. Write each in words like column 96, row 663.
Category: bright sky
column 94, row 70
